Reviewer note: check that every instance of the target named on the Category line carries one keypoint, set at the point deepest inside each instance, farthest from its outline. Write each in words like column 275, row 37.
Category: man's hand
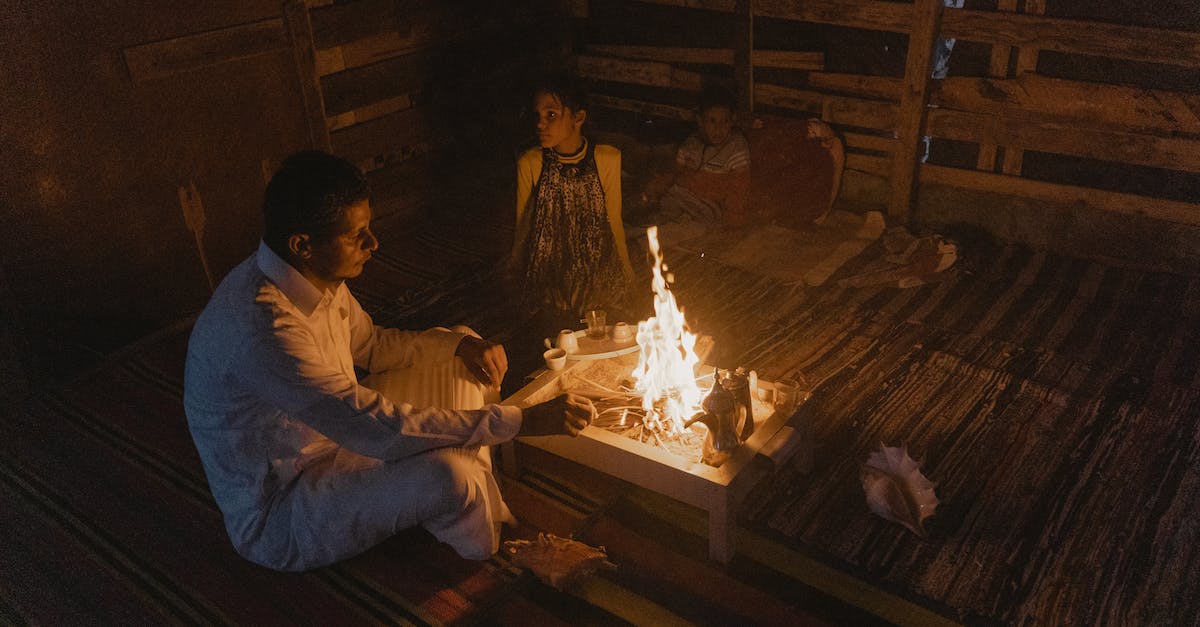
column 566, row 414
column 486, row 360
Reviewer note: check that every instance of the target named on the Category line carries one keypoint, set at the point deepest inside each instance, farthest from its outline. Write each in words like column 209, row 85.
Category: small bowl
column 622, row 332
column 556, row 358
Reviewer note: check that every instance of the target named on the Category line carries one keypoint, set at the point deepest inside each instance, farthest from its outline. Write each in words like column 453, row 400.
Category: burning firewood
column 557, row 561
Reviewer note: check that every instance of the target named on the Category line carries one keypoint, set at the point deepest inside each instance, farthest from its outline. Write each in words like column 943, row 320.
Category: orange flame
column 665, row 375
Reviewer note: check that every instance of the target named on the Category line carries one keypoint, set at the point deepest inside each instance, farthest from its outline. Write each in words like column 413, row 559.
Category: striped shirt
column 730, row 156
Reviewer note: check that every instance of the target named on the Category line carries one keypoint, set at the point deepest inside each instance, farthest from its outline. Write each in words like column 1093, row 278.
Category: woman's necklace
column 582, row 147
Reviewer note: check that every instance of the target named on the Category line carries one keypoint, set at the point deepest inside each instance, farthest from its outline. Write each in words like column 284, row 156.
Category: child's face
column 558, row 126
column 715, row 124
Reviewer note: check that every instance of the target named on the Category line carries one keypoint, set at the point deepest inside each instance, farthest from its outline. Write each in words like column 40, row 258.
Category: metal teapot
column 720, row 416
column 739, row 383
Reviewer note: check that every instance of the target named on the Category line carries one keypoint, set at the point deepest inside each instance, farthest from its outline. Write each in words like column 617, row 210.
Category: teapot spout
column 702, row 417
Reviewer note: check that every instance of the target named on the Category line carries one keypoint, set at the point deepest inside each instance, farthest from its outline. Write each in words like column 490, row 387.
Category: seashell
column 896, row 489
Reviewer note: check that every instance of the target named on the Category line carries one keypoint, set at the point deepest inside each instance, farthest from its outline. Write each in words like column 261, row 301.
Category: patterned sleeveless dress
column 571, row 262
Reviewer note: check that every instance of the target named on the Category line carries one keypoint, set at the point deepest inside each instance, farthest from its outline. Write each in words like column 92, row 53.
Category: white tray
column 602, row 349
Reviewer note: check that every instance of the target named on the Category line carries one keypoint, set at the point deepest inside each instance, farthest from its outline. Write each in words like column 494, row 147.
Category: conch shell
column 896, row 489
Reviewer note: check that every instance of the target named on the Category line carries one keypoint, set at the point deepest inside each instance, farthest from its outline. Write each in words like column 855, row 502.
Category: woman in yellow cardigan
column 569, row 246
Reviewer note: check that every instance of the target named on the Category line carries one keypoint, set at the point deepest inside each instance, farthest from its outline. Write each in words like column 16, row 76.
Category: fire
column 665, row 375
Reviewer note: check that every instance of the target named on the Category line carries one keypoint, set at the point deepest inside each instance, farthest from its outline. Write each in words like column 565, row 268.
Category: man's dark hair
column 564, row 87
column 714, row 96
column 309, row 194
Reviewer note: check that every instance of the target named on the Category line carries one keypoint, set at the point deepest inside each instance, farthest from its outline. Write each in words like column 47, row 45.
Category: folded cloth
column 907, row 260
column 556, row 561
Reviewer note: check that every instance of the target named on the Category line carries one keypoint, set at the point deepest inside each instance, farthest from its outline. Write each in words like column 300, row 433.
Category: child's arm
column 608, row 165
column 820, row 131
column 528, row 171
column 658, row 184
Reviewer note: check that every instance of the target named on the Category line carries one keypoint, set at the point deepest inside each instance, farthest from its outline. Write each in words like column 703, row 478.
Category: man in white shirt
column 308, row 465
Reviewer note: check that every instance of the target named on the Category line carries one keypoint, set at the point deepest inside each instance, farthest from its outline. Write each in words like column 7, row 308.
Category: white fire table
column 716, row 490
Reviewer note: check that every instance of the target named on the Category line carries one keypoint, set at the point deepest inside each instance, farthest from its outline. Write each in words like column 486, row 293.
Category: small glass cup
column 597, row 324
column 790, row 393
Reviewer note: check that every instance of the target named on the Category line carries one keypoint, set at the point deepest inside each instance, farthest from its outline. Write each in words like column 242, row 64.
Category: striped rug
column 1054, row 402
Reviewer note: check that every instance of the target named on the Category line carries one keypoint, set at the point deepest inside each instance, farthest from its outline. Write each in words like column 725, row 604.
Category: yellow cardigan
column 608, row 164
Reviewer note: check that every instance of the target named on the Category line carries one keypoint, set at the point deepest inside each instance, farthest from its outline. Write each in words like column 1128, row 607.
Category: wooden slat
column 911, row 116
column 711, row 5
column 986, row 159
column 668, row 54
column 425, row 25
column 1181, row 108
column 370, row 50
column 1027, row 55
column 1134, row 43
column 869, row 142
column 879, row 166
column 339, row 23
column 843, row 110
column 470, row 53
column 1001, row 53
column 1084, row 197
column 1090, row 104
column 641, row 106
column 1173, row 153
column 798, row 60
column 386, row 140
column 795, row 60
column 299, row 30
column 997, row 68
column 360, row 87
column 789, row 98
column 868, row 14
column 369, row 112
column 1026, row 63
column 1030, row 96
column 871, row 86
column 637, row 72
column 192, row 52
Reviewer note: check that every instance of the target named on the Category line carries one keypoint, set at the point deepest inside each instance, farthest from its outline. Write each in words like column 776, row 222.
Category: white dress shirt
column 270, row 389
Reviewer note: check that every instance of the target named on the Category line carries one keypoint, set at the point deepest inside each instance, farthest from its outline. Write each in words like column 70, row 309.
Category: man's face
column 341, row 255
column 557, row 125
column 715, row 124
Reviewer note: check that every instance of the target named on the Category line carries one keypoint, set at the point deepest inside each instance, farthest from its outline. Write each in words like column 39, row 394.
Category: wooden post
column 743, row 60
column 299, row 27
column 1001, row 53
column 1027, row 57
column 910, row 118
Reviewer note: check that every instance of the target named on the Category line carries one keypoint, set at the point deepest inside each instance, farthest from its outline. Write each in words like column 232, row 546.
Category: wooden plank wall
column 398, row 82
column 1007, row 110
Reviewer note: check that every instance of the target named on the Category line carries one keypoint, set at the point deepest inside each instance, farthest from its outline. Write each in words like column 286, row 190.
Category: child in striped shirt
column 711, row 181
